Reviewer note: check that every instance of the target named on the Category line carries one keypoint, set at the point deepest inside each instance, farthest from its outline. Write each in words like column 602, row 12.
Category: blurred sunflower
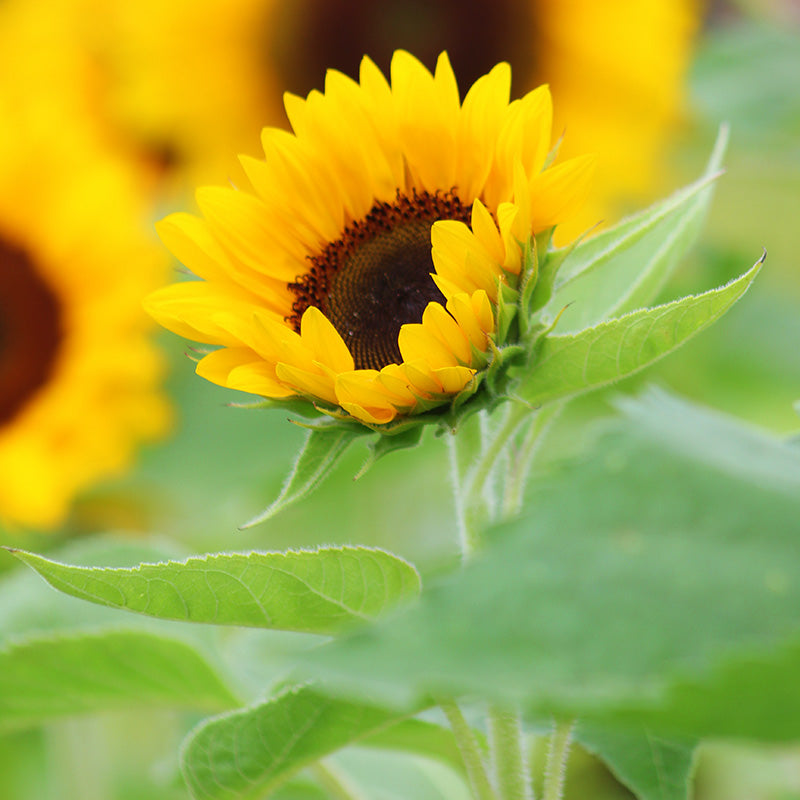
column 78, row 375
column 189, row 82
column 388, row 207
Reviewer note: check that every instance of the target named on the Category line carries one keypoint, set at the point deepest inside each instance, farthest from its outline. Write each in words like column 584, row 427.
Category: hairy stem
column 557, row 761
column 506, row 740
column 470, row 751
column 466, row 534
column 518, row 474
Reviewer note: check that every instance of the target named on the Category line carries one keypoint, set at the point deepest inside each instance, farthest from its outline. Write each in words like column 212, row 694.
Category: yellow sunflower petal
column 525, row 137
column 364, row 210
column 453, row 379
column 189, row 310
column 244, row 225
column 473, row 313
column 395, row 381
column 565, row 186
column 372, row 416
column 421, row 379
column 292, row 171
column 481, row 116
column 362, row 388
column 447, row 331
column 485, row 230
column 427, row 131
column 190, row 241
column 307, row 382
column 324, row 341
column 240, row 223
column 274, row 341
column 241, row 368
column 461, row 258
column 419, row 343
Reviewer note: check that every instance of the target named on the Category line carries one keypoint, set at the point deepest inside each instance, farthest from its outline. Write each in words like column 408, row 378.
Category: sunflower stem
column 509, row 761
column 523, row 458
column 473, row 506
column 466, row 532
column 470, row 751
column 483, row 468
column 556, row 766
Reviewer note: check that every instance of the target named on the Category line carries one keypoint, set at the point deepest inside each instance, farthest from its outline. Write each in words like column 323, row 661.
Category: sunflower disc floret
column 372, row 269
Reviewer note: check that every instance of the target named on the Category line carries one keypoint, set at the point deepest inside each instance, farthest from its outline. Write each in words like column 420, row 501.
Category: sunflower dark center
column 376, row 277
column 309, row 36
column 30, row 330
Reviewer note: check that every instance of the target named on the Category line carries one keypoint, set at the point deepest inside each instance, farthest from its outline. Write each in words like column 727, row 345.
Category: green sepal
column 323, row 447
column 495, row 376
column 382, row 445
column 479, row 358
column 552, row 154
column 468, row 391
column 292, row 405
column 550, row 262
column 340, row 421
column 530, row 278
column 507, row 308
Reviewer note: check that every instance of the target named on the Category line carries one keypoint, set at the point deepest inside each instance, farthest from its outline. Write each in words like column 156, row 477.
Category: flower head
column 79, row 380
column 369, row 270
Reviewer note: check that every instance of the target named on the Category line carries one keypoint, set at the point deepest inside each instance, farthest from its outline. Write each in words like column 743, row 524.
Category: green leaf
column 322, row 449
column 419, row 737
column 572, row 364
column 249, row 753
column 652, row 767
column 314, row 591
column 25, row 608
column 653, row 582
column 624, row 267
column 54, row 676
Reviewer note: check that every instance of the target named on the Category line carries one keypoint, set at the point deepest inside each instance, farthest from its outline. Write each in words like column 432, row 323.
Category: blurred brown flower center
column 30, row 330
column 308, row 37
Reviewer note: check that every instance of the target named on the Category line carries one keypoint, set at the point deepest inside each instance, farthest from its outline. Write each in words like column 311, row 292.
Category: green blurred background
column 223, row 465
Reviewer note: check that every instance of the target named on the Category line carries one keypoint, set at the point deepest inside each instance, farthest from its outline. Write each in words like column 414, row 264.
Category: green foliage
column 316, row 591
column 743, row 73
column 572, row 364
column 322, row 449
column 652, row 767
column 630, row 592
column 645, row 587
column 25, row 608
column 53, row 676
column 249, row 753
column 624, row 267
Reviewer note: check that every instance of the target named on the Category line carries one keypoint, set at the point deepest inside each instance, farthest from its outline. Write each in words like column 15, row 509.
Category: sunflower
column 366, row 271
column 185, row 83
column 78, row 375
